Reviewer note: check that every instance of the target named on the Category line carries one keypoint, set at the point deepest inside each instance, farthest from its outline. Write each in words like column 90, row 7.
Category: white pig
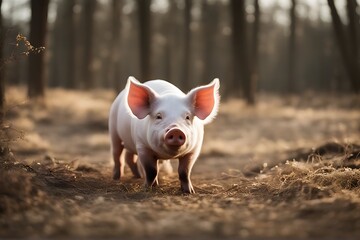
column 157, row 121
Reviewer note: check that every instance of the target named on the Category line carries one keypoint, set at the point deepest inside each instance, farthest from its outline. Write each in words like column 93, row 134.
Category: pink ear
column 206, row 100
column 139, row 98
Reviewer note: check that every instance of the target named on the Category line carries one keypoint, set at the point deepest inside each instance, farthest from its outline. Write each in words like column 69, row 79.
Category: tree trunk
column 69, row 44
column 56, row 42
column 145, row 38
column 210, row 26
column 255, row 53
column 89, row 7
column 345, row 48
column 187, row 42
column 2, row 67
column 236, row 22
column 292, row 48
column 170, row 41
column 242, row 80
column 63, row 53
column 38, row 23
column 353, row 29
column 115, row 80
column 174, row 41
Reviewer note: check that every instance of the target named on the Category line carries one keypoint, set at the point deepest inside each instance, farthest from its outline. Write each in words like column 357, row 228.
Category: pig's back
column 163, row 87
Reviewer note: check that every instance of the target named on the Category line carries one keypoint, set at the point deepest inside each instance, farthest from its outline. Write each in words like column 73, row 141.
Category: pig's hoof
column 187, row 189
column 153, row 184
column 116, row 175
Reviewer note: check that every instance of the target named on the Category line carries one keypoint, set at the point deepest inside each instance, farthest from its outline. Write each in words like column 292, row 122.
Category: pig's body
column 157, row 121
column 131, row 130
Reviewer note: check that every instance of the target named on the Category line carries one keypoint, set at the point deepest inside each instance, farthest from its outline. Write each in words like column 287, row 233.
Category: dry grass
column 285, row 169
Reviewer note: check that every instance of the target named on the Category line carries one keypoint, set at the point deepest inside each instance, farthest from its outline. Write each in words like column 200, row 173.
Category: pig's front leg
column 185, row 165
column 150, row 165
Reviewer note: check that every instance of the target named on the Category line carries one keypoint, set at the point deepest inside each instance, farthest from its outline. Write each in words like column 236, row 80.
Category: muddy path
column 56, row 182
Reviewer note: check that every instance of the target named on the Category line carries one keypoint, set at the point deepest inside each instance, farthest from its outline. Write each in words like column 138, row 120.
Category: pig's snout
column 174, row 137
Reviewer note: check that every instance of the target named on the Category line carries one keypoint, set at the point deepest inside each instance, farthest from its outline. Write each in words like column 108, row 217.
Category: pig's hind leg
column 116, row 150
column 131, row 162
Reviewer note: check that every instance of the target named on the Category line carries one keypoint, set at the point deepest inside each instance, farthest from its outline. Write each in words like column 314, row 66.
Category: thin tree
column 174, row 39
column 55, row 75
column 63, row 57
column 347, row 38
column 242, row 80
column 69, row 43
column 292, row 48
column 187, row 42
column 210, row 28
column 170, row 30
column 2, row 80
column 255, row 52
column 115, row 43
column 38, row 24
column 89, row 7
column 354, row 39
column 145, row 38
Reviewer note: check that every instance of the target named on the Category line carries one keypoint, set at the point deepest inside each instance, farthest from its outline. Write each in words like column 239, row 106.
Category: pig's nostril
column 175, row 137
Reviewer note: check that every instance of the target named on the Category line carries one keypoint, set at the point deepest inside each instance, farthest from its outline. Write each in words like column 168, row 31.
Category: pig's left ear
column 139, row 98
column 205, row 100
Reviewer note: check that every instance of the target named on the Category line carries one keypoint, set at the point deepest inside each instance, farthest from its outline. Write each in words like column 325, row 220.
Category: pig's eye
column 187, row 117
column 158, row 116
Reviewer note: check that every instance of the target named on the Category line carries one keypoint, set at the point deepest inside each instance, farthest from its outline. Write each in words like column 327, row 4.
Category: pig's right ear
column 139, row 98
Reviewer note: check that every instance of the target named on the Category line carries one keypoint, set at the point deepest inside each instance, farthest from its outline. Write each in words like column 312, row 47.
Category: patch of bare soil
column 286, row 169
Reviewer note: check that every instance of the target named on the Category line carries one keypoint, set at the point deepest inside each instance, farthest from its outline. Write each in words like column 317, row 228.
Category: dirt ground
column 285, row 169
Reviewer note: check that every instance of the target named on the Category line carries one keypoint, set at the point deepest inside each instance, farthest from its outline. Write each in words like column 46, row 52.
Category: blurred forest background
column 282, row 155
column 284, row 46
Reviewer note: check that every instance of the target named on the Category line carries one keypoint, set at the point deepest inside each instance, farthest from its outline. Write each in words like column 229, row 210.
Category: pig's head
column 174, row 120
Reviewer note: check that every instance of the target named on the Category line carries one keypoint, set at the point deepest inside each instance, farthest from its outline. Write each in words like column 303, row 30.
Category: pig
column 157, row 121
